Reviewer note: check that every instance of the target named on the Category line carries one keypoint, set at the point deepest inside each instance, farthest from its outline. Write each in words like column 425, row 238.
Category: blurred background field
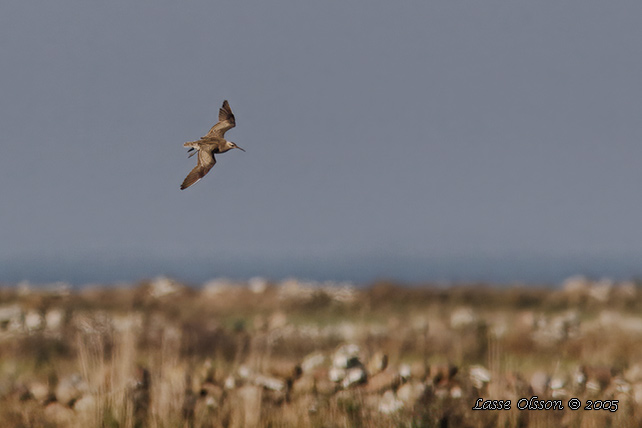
column 160, row 353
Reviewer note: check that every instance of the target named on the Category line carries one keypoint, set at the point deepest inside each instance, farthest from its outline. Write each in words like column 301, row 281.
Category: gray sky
column 406, row 132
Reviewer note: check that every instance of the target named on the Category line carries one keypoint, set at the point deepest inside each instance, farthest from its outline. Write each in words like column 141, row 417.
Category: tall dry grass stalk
column 494, row 362
column 109, row 375
column 121, row 375
column 91, row 362
column 167, row 381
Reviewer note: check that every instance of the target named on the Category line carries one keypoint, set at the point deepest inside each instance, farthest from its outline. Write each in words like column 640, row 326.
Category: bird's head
column 231, row 145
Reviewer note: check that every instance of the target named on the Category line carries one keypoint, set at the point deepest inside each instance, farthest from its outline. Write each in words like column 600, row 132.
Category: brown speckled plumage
column 213, row 142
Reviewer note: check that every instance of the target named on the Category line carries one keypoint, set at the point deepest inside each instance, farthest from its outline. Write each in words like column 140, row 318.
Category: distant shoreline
column 445, row 271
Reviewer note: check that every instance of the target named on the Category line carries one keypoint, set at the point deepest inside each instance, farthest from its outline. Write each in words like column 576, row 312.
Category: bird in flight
column 213, row 142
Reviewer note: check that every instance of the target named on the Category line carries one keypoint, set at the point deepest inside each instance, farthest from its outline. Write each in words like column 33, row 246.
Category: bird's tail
column 192, row 148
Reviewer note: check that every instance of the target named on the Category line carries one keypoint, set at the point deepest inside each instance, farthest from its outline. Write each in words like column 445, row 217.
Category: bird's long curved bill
column 240, row 148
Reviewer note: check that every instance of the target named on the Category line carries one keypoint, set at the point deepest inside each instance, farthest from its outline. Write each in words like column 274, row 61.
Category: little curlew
column 213, row 142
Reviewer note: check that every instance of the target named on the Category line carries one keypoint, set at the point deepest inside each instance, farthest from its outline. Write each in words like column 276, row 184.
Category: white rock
column 54, row 319
column 479, row 376
column 33, row 321
column 163, row 286
column 336, row 374
column 39, row 391
column 405, row 371
column 462, row 318
column 230, row 382
column 557, row 383
column 354, row 376
column 11, row 317
column 344, row 355
column 456, row 392
column 601, row 290
column 257, row 285
column 312, row 361
column 389, row 403
column 245, row 372
column 269, row 382
column 410, row 392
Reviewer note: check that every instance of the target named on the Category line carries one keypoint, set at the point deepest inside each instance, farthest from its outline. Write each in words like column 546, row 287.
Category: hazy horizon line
column 361, row 270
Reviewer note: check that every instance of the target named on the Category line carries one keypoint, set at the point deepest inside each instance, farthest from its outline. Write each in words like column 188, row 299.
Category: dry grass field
column 294, row 354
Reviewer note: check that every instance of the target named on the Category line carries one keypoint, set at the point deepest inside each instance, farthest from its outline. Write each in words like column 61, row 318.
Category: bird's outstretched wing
column 225, row 122
column 206, row 161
